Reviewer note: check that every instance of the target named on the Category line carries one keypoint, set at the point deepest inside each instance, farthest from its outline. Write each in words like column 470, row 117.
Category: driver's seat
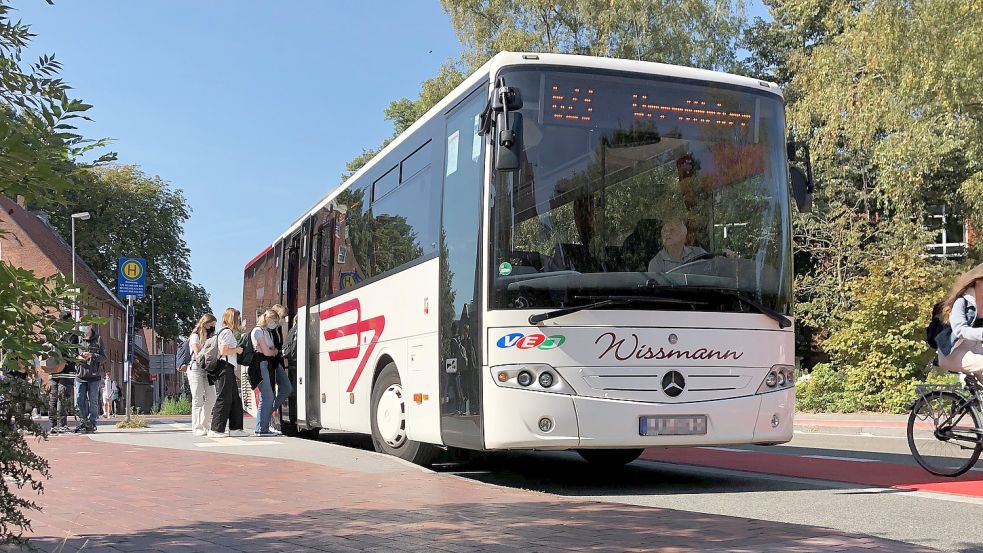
column 642, row 244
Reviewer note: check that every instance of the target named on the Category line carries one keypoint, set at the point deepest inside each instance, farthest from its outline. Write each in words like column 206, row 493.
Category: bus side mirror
column 801, row 189
column 801, row 182
column 502, row 109
column 508, row 129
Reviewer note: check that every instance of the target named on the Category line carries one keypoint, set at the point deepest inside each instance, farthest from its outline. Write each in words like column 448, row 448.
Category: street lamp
column 153, row 331
column 81, row 216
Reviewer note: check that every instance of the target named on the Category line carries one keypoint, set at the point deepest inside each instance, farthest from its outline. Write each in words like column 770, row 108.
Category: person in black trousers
column 61, row 400
column 228, row 402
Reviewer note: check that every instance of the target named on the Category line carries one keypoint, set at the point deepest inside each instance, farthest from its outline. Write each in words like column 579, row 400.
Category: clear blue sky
column 252, row 108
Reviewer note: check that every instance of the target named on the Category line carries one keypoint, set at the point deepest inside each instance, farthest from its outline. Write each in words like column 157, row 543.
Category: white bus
column 565, row 253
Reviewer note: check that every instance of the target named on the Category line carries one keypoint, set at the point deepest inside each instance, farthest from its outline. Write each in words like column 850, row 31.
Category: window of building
column 949, row 233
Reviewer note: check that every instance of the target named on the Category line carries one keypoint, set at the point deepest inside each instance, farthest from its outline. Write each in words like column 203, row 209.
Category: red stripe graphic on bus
column 375, row 325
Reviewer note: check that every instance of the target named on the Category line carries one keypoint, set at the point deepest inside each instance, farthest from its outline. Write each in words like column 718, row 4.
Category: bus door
column 296, row 285
column 460, row 278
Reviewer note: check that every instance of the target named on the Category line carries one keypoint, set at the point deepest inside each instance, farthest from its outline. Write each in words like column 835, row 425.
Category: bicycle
column 945, row 433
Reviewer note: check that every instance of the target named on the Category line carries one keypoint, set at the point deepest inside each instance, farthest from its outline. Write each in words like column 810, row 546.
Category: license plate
column 665, row 425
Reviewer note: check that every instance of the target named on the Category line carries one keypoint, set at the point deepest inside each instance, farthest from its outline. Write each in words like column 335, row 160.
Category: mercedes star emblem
column 673, row 383
column 673, row 338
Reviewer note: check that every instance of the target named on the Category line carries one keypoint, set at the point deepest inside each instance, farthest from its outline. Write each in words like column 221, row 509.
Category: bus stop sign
column 131, row 277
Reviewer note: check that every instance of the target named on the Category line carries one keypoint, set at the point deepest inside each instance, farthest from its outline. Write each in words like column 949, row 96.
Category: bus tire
column 388, row 418
column 610, row 458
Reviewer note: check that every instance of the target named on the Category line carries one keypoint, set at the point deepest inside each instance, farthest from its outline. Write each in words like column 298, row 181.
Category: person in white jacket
column 202, row 393
column 959, row 310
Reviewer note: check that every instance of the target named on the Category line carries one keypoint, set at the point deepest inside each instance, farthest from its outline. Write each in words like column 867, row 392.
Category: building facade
column 32, row 243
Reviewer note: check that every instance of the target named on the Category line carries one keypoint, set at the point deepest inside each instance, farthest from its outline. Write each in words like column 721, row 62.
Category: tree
column 39, row 151
column 698, row 33
column 886, row 94
column 136, row 215
column 39, row 143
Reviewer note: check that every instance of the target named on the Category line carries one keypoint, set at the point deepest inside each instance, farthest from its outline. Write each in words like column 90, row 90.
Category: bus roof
column 507, row 59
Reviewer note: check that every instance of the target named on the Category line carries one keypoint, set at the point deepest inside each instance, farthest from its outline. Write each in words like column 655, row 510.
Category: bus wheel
column 389, row 421
column 610, row 458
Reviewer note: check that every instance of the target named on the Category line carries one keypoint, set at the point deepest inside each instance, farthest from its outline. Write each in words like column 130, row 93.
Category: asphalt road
column 947, row 521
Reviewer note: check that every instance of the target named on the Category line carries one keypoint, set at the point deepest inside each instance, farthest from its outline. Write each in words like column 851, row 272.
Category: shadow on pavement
column 565, row 473
column 463, row 527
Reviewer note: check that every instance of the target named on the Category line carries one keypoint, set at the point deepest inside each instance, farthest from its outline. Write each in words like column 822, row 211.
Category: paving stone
column 125, row 499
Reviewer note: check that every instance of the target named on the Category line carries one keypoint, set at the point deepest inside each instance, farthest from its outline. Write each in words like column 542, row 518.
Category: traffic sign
column 131, row 277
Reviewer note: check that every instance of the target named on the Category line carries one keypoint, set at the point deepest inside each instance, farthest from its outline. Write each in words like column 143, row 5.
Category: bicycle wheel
column 942, row 433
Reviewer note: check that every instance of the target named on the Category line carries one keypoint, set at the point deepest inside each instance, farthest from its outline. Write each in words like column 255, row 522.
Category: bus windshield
column 642, row 187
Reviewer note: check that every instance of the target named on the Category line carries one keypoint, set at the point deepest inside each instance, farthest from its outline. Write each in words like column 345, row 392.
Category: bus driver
column 674, row 250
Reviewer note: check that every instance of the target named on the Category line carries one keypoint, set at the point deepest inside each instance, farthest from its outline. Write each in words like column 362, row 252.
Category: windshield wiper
column 605, row 301
column 782, row 320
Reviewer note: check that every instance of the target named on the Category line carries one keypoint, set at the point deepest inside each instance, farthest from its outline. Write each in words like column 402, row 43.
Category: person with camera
column 61, row 379
column 87, row 377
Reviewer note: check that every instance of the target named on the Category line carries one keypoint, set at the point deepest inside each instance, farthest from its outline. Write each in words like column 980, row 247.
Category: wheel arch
column 384, row 360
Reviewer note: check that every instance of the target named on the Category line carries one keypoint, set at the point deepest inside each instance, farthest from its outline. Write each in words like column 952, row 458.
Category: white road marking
column 834, row 458
column 235, row 442
column 846, row 435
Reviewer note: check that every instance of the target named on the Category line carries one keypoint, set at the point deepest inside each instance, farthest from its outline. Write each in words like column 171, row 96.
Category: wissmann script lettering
column 624, row 349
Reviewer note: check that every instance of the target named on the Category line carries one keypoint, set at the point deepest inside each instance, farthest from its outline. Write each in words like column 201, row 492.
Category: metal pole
column 74, row 306
column 128, row 365
column 153, row 333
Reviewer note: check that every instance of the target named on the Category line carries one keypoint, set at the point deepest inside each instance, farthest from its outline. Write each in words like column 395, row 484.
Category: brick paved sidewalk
column 108, row 497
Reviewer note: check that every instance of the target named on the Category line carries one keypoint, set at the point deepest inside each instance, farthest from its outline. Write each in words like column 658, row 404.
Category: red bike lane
column 824, row 467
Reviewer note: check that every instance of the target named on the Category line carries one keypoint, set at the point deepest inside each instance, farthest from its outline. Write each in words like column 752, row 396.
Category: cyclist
column 964, row 352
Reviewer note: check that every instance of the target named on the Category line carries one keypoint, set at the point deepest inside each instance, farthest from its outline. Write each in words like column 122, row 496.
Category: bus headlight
column 524, row 378
column 538, row 377
column 779, row 377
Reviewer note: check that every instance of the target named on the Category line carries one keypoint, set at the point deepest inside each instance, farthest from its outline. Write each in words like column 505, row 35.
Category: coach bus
column 565, row 253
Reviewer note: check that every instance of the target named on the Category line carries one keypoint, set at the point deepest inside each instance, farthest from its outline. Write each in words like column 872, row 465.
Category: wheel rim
column 390, row 416
column 940, row 449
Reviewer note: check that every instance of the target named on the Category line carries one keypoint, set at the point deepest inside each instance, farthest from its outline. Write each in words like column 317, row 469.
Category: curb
column 857, row 430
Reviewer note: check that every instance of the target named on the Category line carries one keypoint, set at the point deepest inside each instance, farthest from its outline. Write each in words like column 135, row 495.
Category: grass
column 180, row 406
column 135, row 421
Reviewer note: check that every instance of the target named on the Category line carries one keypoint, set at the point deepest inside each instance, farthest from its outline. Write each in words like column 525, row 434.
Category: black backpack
column 935, row 326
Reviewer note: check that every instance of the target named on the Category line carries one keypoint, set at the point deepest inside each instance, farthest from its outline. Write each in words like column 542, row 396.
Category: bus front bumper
column 514, row 419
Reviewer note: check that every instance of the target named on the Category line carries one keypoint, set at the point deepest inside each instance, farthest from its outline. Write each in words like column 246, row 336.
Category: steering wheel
column 702, row 257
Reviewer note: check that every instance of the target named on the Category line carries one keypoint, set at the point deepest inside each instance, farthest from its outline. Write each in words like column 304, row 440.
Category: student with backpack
column 960, row 345
column 202, row 392
column 219, row 358
column 283, row 388
column 264, row 358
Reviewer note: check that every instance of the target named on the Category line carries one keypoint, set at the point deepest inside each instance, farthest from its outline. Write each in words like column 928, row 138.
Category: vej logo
column 530, row 341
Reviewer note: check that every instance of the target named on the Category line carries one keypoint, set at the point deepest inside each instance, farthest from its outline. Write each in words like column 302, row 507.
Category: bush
column 879, row 345
column 822, row 390
column 20, row 466
column 135, row 421
column 180, row 406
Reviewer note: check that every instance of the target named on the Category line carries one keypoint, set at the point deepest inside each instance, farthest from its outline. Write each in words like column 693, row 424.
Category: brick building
column 32, row 243
column 261, row 286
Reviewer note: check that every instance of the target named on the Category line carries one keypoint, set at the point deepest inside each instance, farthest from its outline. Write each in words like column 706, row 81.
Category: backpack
column 290, row 343
column 935, row 327
column 208, row 357
column 246, row 343
column 183, row 355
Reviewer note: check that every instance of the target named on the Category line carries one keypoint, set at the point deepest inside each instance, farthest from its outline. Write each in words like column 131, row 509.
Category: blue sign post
column 131, row 281
column 131, row 277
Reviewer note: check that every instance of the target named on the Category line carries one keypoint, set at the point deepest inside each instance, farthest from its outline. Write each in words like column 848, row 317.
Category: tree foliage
column 886, row 93
column 40, row 145
column 698, row 33
column 137, row 215
column 40, row 148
